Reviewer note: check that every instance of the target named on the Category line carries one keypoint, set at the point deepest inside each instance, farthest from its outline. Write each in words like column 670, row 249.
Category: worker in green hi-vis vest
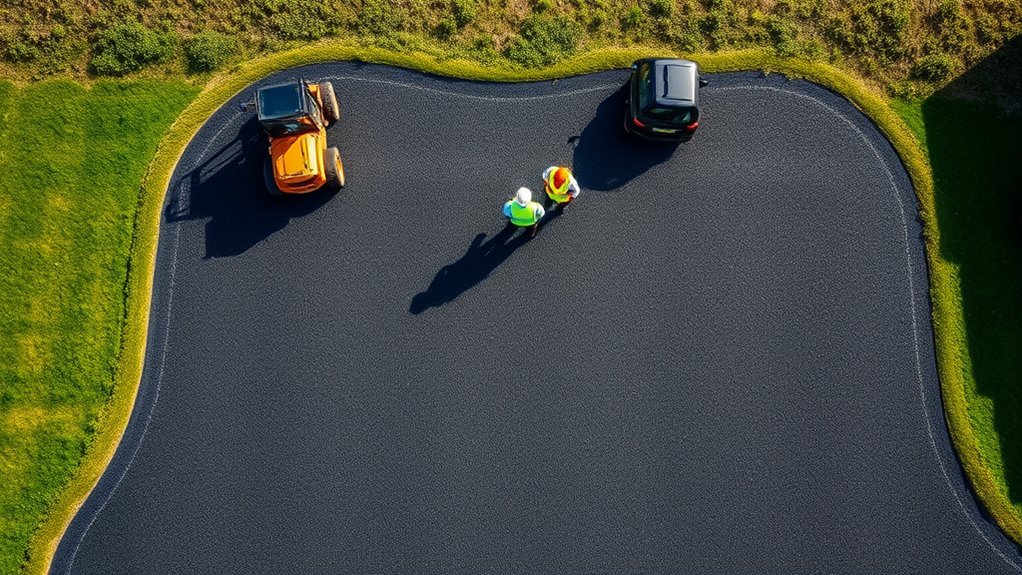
column 522, row 212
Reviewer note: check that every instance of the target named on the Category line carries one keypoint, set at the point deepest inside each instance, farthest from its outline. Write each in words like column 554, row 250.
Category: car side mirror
column 246, row 106
column 703, row 83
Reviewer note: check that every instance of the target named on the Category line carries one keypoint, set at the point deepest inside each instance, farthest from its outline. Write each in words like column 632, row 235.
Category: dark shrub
column 543, row 40
column 633, row 18
column 380, row 17
column 661, row 8
column 129, row 48
column 934, row 68
column 446, row 28
column 299, row 19
column 783, row 33
column 207, row 51
column 464, row 12
column 880, row 28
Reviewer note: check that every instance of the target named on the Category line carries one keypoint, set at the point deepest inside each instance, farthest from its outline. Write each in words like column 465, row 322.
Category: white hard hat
column 523, row 196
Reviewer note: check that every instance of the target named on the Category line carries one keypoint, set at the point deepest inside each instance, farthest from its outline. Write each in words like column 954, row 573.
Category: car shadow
column 482, row 257
column 228, row 189
column 607, row 158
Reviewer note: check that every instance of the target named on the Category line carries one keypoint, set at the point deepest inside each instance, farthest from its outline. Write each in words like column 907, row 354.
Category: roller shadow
column 607, row 158
column 227, row 188
column 481, row 258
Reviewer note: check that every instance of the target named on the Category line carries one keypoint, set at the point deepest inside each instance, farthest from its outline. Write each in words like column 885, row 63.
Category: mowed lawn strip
column 71, row 162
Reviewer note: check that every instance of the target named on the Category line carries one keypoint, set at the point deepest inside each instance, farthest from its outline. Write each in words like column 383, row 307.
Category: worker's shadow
column 226, row 186
column 456, row 278
column 605, row 157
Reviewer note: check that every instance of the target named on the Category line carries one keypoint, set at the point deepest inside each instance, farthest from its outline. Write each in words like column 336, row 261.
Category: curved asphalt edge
column 918, row 284
column 903, row 195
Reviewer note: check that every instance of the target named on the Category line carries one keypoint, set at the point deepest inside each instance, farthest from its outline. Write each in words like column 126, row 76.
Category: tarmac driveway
column 718, row 360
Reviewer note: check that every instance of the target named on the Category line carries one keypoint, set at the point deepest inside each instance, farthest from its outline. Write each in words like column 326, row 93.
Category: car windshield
column 671, row 115
column 280, row 101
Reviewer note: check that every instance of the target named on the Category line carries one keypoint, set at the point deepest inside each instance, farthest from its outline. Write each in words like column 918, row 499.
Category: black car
column 663, row 99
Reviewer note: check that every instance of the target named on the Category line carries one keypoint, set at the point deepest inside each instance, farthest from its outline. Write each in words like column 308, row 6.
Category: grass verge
column 974, row 150
column 944, row 279
column 71, row 159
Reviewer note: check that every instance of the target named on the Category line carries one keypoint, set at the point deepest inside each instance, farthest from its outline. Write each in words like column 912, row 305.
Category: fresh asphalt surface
column 718, row 360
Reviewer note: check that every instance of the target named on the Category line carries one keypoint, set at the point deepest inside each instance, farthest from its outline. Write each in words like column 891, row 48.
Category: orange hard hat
column 561, row 175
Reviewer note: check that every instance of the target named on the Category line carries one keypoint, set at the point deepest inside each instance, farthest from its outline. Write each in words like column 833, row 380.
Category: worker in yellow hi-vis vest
column 560, row 185
column 522, row 212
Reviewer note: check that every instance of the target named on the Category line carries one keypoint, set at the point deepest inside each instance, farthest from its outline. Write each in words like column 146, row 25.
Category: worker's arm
column 546, row 173
column 540, row 212
column 573, row 189
column 507, row 209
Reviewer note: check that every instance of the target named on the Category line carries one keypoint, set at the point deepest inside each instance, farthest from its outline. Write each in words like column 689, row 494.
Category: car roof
column 676, row 83
column 280, row 101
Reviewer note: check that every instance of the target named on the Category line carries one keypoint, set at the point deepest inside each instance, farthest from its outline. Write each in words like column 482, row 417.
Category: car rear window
column 671, row 115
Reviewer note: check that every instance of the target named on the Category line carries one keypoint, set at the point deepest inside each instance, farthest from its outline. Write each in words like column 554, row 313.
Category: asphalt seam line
column 475, row 96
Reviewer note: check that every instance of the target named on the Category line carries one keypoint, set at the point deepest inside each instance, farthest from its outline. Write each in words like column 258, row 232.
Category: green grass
column 974, row 150
column 71, row 160
column 911, row 112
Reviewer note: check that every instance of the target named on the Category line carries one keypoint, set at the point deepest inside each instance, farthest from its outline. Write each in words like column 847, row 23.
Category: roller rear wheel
column 268, row 180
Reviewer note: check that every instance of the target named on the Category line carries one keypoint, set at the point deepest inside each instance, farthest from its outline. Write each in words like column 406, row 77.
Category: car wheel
column 331, row 110
column 268, row 180
column 334, row 168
